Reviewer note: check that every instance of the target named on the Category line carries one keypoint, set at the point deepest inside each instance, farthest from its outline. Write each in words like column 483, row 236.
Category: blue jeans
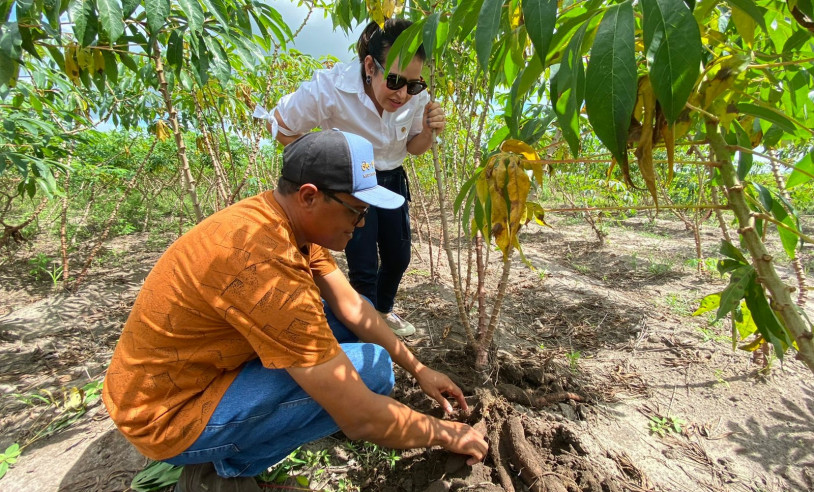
column 386, row 235
column 265, row 415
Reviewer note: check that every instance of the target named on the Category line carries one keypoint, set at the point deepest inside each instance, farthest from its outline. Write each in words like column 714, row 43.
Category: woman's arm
column 283, row 139
column 433, row 119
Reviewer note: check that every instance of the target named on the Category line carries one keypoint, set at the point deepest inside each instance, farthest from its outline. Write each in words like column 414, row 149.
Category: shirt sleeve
column 322, row 261
column 422, row 99
column 310, row 105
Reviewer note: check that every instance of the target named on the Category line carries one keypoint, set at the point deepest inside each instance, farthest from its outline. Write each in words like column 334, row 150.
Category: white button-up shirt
column 336, row 98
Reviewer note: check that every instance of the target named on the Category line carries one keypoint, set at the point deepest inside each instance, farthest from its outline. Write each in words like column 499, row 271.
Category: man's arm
column 365, row 322
column 363, row 414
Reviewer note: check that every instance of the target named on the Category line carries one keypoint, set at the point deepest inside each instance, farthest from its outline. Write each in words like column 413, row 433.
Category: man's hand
column 436, row 385
column 466, row 440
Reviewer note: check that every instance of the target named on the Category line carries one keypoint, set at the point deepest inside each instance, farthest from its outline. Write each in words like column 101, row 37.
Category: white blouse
column 336, row 98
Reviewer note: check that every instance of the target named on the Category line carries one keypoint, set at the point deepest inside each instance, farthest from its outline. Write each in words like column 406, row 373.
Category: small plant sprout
column 9, row 457
column 664, row 425
column 573, row 360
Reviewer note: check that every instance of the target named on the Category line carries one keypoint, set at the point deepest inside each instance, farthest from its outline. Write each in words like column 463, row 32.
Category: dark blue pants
column 379, row 253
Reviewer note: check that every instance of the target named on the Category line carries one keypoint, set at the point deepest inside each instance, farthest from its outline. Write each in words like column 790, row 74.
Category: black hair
column 376, row 41
column 286, row 187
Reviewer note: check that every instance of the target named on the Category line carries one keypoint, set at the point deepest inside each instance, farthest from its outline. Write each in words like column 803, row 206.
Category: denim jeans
column 265, row 415
column 379, row 253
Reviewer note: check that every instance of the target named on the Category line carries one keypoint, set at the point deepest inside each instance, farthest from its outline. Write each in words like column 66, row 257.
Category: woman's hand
column 436, row 385
column 434, row 117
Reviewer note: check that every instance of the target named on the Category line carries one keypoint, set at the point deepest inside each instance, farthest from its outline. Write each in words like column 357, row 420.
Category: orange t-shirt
column 233, row 288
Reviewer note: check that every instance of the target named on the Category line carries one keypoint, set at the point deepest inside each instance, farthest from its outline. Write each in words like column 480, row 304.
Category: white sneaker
column 400, row 327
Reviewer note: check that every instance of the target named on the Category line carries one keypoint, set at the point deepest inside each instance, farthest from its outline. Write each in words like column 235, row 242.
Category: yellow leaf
column 85, row 59
column 753, row 345
column 519, row 147
column 374, row 8
column 71, row 65
column 644, row 152
column 500, row 212
column 518, row 186
column 161, row 130
column 516, row 17
column 535, row 211
column 98, row 61
column 74, row 400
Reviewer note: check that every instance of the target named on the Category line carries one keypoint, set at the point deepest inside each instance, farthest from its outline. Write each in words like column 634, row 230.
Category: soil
column 602, row 379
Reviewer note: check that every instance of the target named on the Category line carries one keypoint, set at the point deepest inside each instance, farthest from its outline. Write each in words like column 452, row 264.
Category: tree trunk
column 767, row 275
column 453, row 269
column 186, row 172
column 799, row 271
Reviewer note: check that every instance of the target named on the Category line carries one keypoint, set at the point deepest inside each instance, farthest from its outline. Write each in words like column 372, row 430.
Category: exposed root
column 527, row 461
column 518, row 395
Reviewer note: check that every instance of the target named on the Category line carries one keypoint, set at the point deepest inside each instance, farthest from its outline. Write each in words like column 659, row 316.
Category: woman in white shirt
column 394, row 113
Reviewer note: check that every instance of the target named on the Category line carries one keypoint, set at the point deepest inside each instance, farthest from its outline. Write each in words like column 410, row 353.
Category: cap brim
column 381, row 197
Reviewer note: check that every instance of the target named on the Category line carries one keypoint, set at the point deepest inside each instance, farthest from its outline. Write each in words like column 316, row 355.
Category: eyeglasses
column 395, row 82
column 359, row 215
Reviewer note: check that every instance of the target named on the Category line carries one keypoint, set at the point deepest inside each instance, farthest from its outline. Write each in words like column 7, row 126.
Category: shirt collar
column 350, row 77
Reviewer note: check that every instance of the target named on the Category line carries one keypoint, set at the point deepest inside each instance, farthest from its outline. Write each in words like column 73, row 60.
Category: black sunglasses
column 395, row 82
column 359, row 215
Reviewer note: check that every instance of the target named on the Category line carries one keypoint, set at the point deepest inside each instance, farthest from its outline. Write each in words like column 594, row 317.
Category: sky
column 318, row 37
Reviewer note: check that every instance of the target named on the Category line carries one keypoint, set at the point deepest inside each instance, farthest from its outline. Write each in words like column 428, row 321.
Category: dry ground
column 605, row 329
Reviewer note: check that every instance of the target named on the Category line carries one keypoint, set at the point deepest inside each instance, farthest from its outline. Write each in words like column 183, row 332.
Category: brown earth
column 592, row 346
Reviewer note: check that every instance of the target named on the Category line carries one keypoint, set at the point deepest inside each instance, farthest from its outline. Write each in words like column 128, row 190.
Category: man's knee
column 376, row 368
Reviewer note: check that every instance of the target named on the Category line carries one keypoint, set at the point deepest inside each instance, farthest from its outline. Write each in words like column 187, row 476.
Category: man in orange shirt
column 246, row 341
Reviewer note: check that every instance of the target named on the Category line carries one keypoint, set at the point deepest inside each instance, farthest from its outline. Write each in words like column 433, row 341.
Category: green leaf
column 746, row 324
column 730, row 251
column 766, row 320
column 129, row 6
column 405, row 46
column 430, row 31
column 486, row 33
column 128, row 62
column 497, row 137
column 465, row 188
column 3, row 468
column 81, row 13
column 156, row 476
column 803, row 171
column 751, row 9
column 110, row 15
column 175, row 50
column 194, row 13
column 568, row 90
column 708, row 303
column 745, row 159
column 806, row 7
column 540, row 17
column 610, row 80
column 220, row 60
column 157, row 12
column 10, row 41
column 769, row 115
column 464, row 18
column 745, row 25
column 673, row 45
column 739, row 281
column 218, row 9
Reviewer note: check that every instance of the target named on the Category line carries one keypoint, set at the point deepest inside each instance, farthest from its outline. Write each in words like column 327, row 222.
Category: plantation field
column 617, row 386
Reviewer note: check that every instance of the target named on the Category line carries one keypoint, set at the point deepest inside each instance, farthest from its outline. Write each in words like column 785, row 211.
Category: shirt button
column 403, row 129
